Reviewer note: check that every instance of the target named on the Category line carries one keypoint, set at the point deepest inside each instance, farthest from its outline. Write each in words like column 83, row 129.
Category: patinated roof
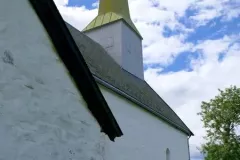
column 103, row 67
column 111, row 11
column 107, row 18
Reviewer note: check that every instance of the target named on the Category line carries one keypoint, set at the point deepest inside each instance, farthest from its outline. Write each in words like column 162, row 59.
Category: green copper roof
column 111, row 11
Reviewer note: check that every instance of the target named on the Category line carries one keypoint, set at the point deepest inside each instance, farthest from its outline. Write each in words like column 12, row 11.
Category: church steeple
column 111, row 11
column 114, row 30
column 119, row 7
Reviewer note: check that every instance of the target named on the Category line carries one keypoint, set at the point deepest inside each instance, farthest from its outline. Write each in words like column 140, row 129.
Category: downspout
column 188, row 148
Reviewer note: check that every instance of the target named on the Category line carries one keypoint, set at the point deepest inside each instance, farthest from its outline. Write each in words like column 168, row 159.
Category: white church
column 67, row 94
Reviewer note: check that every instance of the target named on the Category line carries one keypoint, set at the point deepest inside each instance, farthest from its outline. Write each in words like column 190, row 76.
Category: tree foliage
column 221, row 118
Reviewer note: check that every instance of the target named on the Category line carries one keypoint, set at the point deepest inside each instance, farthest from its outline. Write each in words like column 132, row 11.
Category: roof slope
column 104, row 67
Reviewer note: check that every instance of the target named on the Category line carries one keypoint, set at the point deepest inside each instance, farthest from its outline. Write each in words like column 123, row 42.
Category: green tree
column 221, row 117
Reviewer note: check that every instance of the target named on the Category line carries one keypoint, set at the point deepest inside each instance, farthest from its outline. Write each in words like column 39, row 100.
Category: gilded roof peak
column 110, row 11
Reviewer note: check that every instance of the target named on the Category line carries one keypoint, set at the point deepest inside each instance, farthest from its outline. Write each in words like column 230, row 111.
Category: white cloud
column 164, row 50
column 61, row 2
column 210, row 9
column 179, row 7
column 204, row 16
column 211, row 49
column 232, row 13
column 153, row 14
column 76, row 16
column 95, row 4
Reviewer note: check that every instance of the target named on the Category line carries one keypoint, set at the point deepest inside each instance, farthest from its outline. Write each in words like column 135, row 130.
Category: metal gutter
column 189, row 156
column 109, row 86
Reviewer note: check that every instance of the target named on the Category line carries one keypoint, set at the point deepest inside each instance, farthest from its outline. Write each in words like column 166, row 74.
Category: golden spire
column 110, row 11
column 119, row 7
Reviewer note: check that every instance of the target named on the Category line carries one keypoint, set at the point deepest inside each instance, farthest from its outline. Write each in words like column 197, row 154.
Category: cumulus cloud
column 210, row 9
column 211, row 49
column 76, row 16
column 61, row 2
column 164, row 50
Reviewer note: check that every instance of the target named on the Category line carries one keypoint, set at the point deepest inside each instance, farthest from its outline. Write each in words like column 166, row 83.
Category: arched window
column 168, row 154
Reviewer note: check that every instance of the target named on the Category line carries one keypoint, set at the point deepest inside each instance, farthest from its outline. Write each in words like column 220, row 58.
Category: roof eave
column 118, row 91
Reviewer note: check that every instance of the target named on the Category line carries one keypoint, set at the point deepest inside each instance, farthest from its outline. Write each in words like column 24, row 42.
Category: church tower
column 115, row 31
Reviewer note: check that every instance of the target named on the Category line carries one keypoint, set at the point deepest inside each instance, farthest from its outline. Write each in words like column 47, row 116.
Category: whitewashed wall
column 132, row 58
column 122, row 44
column 110, row 38
column 42, row 116
column 146, row 137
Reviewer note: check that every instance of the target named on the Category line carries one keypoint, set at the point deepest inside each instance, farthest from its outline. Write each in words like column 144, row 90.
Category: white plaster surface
column 110, row 37
column 42, row 115
column 146, row 137
column 122, row 44
column 132, row 56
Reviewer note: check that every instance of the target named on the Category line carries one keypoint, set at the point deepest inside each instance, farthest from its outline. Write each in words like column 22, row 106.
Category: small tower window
column 168, row 154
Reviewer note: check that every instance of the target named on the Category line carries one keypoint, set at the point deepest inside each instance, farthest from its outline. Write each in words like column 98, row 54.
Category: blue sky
column 191, row 48
column 87, row 3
